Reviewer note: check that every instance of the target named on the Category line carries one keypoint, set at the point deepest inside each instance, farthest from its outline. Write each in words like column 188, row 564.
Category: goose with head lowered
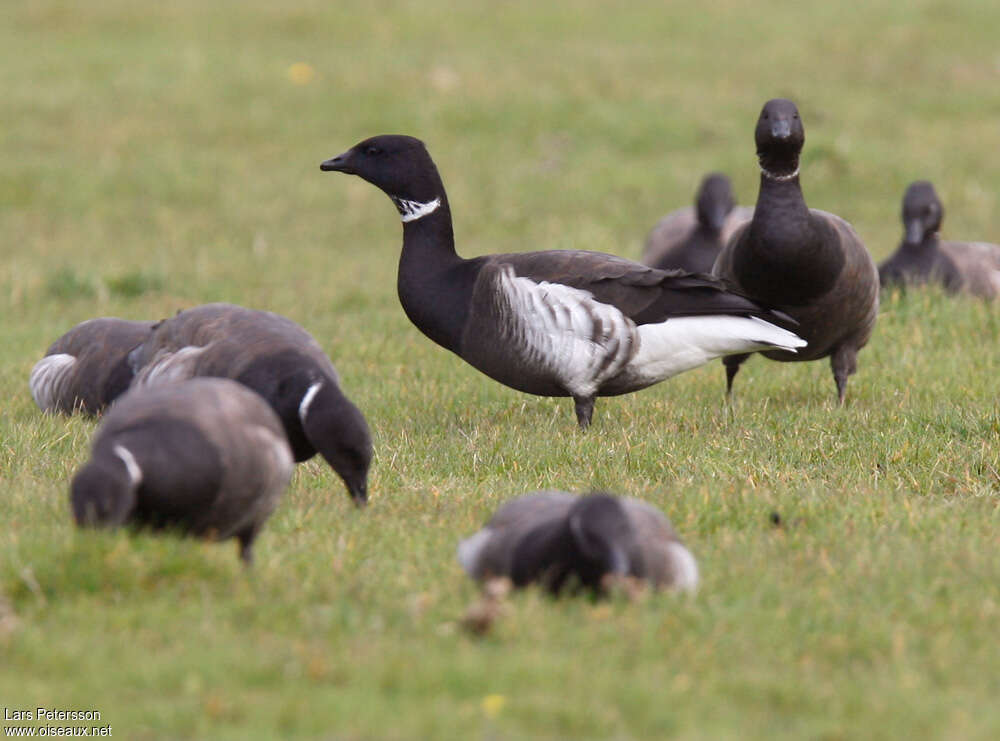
column 809, row 263
column 206, row 457
column 554, row 538
column 87, row 368
column 278, row 359
column 690, row 238
column 970, row 267
column 555, row 323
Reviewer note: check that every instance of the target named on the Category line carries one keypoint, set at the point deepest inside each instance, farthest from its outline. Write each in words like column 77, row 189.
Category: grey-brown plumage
column 557, row 322
column 87, row 368
column 206, row 457
column 279, row 360
column 809, row 263
column 691, row 238
column 555, row 538
column 970, row 267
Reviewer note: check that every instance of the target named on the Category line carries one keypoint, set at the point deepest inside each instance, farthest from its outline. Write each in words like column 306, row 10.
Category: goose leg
column 584, row 410
column 733, row 363
column 246, row 538
column 844, row 362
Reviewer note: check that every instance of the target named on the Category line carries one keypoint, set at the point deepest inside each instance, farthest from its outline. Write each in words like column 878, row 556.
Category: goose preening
column 279, row 360
column 809, row 263
column 206, row 457
column 552, row 537
column 972, row 267
column 690, row 238
column 556, row 323
column 87, row 368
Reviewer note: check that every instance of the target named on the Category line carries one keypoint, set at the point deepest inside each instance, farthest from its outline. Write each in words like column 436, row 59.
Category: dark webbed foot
column 584, row 410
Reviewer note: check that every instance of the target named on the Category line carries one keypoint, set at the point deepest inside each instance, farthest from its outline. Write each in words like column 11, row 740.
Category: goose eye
column 372, row 150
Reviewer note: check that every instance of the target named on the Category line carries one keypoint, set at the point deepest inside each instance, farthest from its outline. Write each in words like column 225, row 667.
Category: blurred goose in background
column 809, row 263
column 553, row 537
column 87, row 368
column 279, row 360
column 972, row 267
column 207, row 457
column 556, row 323
column 690, row 238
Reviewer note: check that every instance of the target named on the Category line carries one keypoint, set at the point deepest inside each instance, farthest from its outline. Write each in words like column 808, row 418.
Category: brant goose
column 551, row 536
column 809, row 263
column 279, row 360
column 973, row 267
column 87, row 368
column 557, row 323
column 206, row 457
column 690, row 238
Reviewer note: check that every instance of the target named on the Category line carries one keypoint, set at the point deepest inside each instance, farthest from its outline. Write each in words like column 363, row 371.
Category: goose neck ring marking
column 413, row 210
column 131, row 465
column 780, row 178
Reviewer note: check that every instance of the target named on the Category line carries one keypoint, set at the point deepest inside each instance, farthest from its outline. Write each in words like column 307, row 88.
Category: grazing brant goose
column 557, row 323
column 690, row 238
column 809, row 263
column 550, row 536
column 87, row 368
column 972, row 267
column 279, row 360
column 206, row 456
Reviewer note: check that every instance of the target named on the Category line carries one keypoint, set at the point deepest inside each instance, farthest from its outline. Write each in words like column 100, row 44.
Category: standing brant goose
column 87, row 368
column 690, row 238
column 206, row 457
column 809, row 263
column 557, row 323
column 551, row 536
column 279, row 360
column 972, row 267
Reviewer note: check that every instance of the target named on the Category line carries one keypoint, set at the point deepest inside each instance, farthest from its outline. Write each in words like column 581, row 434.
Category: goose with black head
column 922, row 257
column 557, row 539
column 205, row 457
column 809, row 263
column 554, row 323
column 278, row 359
column 691, row 238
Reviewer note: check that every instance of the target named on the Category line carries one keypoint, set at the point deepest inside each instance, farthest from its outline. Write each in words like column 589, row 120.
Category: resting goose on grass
column 87, row 368
column 690, row 238
column 551, row 537
column 972, row 267
column 809, row 263
column 206, row 457
column 279, row 360
column 557, row 323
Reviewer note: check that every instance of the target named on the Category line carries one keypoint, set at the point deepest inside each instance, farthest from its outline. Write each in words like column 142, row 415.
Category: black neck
column 434, row 283
column 789, row 255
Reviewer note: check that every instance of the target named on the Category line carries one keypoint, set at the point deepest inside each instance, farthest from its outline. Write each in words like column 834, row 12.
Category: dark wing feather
column 643, row 294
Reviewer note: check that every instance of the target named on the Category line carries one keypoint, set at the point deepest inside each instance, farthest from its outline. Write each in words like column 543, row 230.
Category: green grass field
column 158, row 156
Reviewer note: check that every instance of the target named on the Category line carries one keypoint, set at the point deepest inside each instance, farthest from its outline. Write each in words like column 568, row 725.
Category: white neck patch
column 413, row 210
column 780, row 178
column 131, row 465
column 307, row 399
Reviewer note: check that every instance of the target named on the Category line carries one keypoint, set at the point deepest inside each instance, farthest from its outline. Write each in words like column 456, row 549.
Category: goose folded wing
column 643, row 294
